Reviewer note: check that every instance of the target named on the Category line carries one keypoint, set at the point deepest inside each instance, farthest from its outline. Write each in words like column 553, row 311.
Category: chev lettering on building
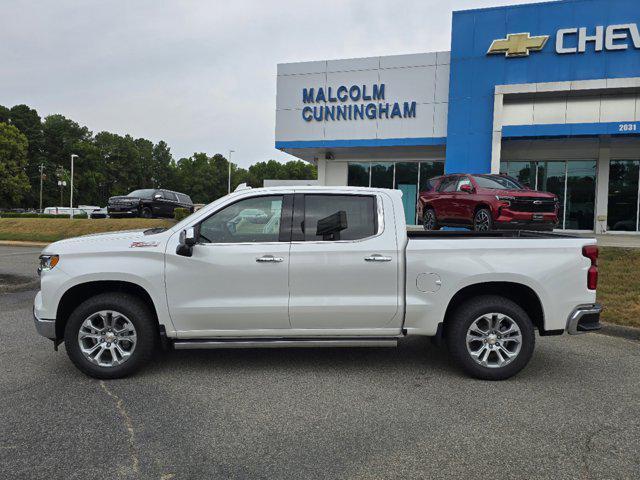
column 613, row 37
column 570, row 40
column 367, row 104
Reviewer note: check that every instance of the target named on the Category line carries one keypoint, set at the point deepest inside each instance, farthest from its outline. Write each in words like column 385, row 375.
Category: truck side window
column 253, row 220
column 169, row 196
column 448, row 184
column 339, row 217
column 463, row 181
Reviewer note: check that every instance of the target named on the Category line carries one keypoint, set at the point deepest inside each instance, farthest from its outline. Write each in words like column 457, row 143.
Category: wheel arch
column 519, row 293
column 77, row 294
column 482, row 205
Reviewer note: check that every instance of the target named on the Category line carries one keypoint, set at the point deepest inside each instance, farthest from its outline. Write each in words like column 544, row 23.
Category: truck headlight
column 47, row 262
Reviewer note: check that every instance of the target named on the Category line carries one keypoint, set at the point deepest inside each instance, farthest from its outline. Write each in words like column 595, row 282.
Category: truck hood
column 110, row 242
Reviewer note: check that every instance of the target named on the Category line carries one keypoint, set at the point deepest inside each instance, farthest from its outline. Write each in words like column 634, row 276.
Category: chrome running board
column 285, row 343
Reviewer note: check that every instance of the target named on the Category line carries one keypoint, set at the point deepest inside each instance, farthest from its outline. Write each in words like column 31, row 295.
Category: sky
column 200, row 75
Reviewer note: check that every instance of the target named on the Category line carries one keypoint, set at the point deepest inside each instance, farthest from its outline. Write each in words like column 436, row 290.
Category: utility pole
column 229, row 161
column 73, row 155
column 41, row 170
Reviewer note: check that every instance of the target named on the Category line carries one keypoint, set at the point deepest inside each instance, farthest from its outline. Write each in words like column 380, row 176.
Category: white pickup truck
column 312, row 266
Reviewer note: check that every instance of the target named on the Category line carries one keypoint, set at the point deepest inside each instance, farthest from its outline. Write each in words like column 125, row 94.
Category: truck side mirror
column 466, row 188
column 157, row 196
column 188, row 238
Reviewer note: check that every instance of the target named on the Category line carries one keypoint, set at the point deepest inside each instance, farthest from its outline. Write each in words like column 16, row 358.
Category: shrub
column 181, row 213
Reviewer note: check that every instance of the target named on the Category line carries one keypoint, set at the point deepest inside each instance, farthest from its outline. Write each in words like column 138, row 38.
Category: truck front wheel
column 110, row 335
column 490, row 337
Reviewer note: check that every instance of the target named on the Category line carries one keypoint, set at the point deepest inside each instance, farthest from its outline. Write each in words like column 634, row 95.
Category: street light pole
column 72, row 157
column 41, row 169
column 229, row 161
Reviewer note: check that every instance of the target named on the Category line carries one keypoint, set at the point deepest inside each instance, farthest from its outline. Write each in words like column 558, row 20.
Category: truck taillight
column 591, row 252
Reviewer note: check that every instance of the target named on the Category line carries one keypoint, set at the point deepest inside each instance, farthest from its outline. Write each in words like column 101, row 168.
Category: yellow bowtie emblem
column 518, row 44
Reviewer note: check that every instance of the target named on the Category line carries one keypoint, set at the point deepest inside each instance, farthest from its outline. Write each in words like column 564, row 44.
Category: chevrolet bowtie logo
column 518, row 44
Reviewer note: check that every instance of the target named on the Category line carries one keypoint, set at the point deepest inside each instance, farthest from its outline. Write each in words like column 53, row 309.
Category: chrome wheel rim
column 429, row 221
column 482, row 221
column 107, row 338
column 494, row 340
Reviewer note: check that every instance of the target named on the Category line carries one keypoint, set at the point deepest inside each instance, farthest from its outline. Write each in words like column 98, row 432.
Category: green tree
column 27, row 120
column 163, row 169
column 61, row 138
column 5, row 114
column 14, row 183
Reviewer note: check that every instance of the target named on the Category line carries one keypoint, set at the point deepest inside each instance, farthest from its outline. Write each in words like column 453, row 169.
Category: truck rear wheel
column 490, row 337
column 110, row 335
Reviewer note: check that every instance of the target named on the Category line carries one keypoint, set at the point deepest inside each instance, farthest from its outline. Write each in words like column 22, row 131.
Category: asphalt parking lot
column 574, row 412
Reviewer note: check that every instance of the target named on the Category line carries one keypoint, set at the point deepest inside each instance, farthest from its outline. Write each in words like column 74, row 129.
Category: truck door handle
column 376, row 257
column 269, row 259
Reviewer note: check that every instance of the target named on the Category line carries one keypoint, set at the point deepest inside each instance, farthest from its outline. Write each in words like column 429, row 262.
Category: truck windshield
column 497, row 182
column 145, row 193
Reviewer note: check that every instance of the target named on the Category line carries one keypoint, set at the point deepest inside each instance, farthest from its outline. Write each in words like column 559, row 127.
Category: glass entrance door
column 624, row 182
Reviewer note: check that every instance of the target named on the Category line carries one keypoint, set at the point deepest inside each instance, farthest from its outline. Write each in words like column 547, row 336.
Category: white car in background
column 63, row 211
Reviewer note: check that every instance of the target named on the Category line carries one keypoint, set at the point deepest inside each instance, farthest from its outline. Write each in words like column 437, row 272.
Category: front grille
column 534, row 205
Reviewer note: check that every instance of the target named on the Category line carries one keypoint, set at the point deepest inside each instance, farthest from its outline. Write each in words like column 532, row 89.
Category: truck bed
column 457, row 234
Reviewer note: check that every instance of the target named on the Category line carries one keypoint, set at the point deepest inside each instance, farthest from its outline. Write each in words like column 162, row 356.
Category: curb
column 612, row 330
column 18, row 243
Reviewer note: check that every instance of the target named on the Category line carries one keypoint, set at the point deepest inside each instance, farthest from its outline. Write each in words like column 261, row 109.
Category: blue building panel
column 475, row 74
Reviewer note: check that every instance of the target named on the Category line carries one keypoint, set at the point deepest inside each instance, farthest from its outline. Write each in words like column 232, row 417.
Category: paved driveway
column 314, row 413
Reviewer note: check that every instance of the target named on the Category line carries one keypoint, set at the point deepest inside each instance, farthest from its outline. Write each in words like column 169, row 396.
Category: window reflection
column 622, row 214
column 581, row 195
column 578, row 177
column 358, row 174
column 410, row 177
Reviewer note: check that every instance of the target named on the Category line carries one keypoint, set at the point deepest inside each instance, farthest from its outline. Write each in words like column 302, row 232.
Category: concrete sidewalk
column 614, row 240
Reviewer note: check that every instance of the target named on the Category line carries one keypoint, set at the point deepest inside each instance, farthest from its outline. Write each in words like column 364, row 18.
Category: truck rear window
column 339, row 217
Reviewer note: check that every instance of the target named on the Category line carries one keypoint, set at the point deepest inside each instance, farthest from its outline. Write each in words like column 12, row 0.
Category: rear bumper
column 46, row 328
column 584, row 319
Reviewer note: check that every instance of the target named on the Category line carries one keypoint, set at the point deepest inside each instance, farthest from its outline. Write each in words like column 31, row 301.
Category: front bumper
column 525, row 225
column 45, row 327
column 584, row 319
column 123, row 210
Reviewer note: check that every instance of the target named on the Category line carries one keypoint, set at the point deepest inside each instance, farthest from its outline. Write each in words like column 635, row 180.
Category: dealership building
column 547, row 92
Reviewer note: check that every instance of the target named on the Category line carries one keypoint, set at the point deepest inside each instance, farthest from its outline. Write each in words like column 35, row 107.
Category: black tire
column 458, row 325
column 483, row 220
column 137, row 313
column 429, row 220
column 146, row 213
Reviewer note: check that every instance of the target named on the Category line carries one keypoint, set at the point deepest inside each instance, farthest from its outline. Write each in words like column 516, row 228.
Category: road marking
column 128, row 424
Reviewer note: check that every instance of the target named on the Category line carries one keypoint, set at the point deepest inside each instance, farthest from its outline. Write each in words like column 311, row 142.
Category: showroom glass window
column 358, row 174
column 359, row 211
column 254, row 220
column 572, row 181
column 409, row 177
column 624, row 185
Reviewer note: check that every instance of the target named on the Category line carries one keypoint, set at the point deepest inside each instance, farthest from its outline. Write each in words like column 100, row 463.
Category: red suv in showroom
column 485, row 202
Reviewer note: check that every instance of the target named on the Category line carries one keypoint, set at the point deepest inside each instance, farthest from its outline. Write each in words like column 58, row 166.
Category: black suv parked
column 148, row 203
